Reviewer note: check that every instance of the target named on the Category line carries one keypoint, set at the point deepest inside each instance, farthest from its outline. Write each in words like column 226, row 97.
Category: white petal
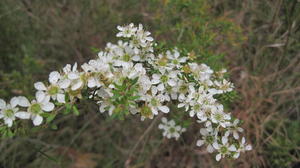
column 227, row 133
column 154, row 90
column 248, row 147
column 203, row 131
column 216, row 145
column 2, row 104
column 240, row 129
column 14, row 102
column 8, row 122
column 218, row 157
column 23, row 115
column 155, row 81
column 67, row 68
column 164, row 109
column 236, row 155
column 161, row 87
column 91, row 82
column 61, row 98
column 232, row 148
column 235, row 135
column 164, row 120
column 64, row 83
column 77, row 85
column 46, row 99
column 40, row 96
column 39, row 86
column 210, row 149
column 136, row 58
column 224, row 140
column 192, row 113
column 180, row 105
column 74, row 67
column 23, row 101
column 243, row 140
column 172, row 123
column 48, row 106
column 37, row 120
column 200, row 142
column 176, row 135
column 54, row 77
column 154, row 111
column 172, row 82
column 73, row 75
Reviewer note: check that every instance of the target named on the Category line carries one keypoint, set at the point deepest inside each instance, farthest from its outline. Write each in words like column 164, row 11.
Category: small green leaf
column 51, row 118
column 53, row 126
column 75, row 111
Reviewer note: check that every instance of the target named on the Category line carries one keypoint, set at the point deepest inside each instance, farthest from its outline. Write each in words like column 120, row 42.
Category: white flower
column 104, row 105
column 170, row 129
column 175, row 58
column 9, row 111
column 37, row 107
column 53, row 90
column 92, row 73
column 202, row 73
column 223, row 149
column 126, row 31
column 208, row 138
column 223, row 86
column 165, row 79
column 143, row 36
column 219, row 117
column 133, row 71
column 144, row 83
column 72, row 78
column 234, row 129
column 155, row 102
column 243, row 147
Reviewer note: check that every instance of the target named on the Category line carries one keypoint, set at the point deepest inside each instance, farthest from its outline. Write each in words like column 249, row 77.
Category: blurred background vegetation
column 258, row 41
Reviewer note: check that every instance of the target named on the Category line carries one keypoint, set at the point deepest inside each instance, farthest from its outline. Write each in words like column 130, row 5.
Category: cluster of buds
column 130, row 77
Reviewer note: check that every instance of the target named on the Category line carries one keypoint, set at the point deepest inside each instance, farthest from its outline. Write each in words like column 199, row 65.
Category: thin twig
column 141, row 138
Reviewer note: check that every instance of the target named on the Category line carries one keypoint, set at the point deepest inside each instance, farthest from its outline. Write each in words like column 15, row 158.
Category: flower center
column 154, row 102
column 186, row 69
column 209, row 139
column 126, row 58
column 146, row 111
column 197, row 107
column 175, row 61
column 172, row 130
column 35, row 108
column 9, row 113
column 183, row 89
column 223, row 150
column 163, row 61
column 135, row 42
column 53, row 90
column 219, row 116
column 164, row 78
column 126, row 31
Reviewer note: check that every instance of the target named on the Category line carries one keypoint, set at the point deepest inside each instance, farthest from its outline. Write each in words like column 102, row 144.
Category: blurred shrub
column 283, row 144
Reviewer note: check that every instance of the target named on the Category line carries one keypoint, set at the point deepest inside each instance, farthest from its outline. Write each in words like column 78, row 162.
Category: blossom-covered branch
column 131, row 77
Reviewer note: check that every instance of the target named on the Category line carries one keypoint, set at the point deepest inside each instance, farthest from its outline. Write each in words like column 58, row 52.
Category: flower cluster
column 130, row 77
